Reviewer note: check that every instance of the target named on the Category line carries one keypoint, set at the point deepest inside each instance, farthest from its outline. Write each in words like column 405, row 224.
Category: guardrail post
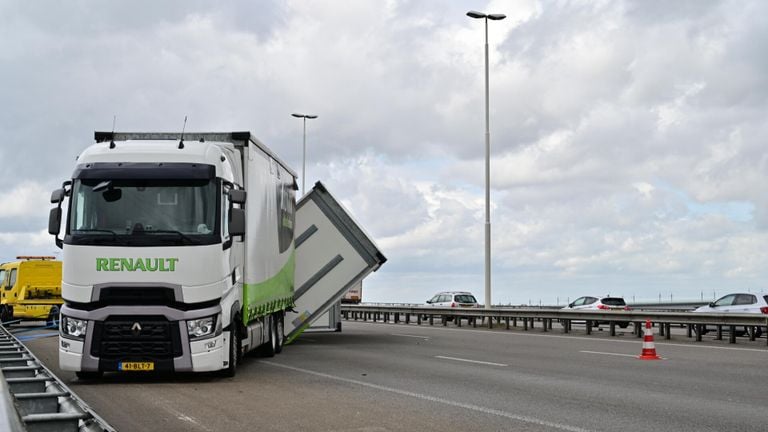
column 668, row 335
column 444, row 320
column 689, row 330
column 418, row 319
column 514, row 322
column 732, row 336
column 407, row 317
column 699, row 331
column 474, row 322
column 458, row 321
column 719, row 333
column 431, row 319
column 525, row 324
column 588, row 323
column 751, row 330
column 507, row 322
column 544, row 322
column 638, row 329
column 612, row 326
column 661, row 329
column 490, row 322
column 397, row 317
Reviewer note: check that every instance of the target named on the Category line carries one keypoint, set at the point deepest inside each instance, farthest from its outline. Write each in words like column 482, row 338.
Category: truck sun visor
column 144, row 170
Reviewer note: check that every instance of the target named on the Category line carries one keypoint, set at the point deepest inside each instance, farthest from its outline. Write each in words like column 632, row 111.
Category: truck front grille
column 138, row 337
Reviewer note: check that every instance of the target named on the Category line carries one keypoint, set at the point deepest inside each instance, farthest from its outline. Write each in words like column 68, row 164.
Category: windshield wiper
column 181, row 235
column 113, row 234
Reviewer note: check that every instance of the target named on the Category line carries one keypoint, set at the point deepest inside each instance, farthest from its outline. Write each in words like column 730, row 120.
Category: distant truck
column 183, row 252
column 354, row 295
column 30, row 289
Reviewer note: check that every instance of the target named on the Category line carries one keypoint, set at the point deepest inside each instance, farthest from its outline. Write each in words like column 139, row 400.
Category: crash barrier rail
column 695, row 323
column 33, row 399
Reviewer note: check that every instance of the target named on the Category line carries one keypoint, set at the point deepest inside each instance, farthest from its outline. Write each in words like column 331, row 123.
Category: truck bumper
column 162, row 340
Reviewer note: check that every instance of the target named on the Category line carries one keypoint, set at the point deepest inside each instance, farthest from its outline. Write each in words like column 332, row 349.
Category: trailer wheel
column 279, row 334
column 268, row 349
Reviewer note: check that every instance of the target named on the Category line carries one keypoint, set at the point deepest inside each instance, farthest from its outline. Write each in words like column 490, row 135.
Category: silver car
column 738, row 303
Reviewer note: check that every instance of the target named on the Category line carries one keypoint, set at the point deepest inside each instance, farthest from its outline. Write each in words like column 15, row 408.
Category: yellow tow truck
column 30, row 289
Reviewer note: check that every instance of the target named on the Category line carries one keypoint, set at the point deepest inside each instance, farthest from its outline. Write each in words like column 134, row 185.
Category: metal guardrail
column 34, row 399
column 696, row 323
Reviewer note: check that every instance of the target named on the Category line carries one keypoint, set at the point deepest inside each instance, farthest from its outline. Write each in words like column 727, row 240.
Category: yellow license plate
column 136, row 366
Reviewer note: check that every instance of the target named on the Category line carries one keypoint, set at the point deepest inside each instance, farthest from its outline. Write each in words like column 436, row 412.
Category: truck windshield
column 144, row 212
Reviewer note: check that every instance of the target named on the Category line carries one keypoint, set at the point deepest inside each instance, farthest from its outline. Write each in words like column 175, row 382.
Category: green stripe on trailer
column 273, row 295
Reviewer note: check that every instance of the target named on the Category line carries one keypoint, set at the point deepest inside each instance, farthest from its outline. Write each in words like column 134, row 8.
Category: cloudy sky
column 629, row 139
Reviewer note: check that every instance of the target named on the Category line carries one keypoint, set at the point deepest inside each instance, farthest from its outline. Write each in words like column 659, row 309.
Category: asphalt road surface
column 384, row 377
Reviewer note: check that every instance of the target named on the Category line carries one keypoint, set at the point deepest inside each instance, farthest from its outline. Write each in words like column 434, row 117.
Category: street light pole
column 304, row 117
column 486, row 17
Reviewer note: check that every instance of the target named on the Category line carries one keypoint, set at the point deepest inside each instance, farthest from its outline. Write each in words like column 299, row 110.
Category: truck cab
column 30, row 289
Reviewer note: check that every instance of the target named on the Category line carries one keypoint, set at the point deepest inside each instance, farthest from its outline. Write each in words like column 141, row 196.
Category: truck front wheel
column 53, row 318
column 235, row 352
column 5, row 314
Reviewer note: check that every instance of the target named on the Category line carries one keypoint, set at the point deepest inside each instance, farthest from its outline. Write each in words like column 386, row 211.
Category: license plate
column 136, row 366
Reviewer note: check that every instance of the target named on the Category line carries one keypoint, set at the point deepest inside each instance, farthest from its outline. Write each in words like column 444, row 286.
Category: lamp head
column 496, row 17
column 476, row 14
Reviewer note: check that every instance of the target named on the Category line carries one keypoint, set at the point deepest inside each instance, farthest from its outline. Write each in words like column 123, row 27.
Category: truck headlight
column 201, row 327
column 73, row 327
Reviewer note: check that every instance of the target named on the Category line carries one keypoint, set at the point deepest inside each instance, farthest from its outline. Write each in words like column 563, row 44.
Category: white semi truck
column 181, row 253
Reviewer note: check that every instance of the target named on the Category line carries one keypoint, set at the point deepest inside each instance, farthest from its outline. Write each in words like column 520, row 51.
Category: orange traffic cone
column 649, row 349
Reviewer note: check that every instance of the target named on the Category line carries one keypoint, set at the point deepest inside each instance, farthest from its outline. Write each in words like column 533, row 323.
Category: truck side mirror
column 237, row 223
column 57, row 196
column 54, row 221
column 54, row 217
column 237, row 196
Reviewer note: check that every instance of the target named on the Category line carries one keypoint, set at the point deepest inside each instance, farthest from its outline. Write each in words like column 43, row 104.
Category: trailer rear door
column 332, row 254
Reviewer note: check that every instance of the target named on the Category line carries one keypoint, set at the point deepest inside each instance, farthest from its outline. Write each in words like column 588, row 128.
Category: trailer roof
column 241, row 139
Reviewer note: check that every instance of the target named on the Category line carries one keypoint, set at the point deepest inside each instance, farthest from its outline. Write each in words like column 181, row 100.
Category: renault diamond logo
column 136, row 328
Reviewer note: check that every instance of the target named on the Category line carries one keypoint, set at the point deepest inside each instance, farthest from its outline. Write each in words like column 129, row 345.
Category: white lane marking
column 467, row 406
column 472, row 361
column 610, row 354
column 635, row 341
column 411, row 336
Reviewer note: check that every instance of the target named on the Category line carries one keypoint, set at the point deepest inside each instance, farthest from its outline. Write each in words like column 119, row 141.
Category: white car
column 738, row 303
column 599, row 303
column 461, row 299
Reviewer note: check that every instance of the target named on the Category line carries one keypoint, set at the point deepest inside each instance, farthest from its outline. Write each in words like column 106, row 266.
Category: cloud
column 627, row 138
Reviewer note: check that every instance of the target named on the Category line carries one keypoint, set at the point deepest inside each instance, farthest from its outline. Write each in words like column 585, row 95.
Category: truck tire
column 53, row 318
column 268, row 349
column 235, row 351
column 279, row 334
column 5, row 314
